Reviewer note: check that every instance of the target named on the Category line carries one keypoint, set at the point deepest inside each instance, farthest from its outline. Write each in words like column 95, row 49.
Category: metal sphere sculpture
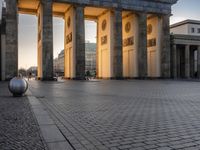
column 18, row 86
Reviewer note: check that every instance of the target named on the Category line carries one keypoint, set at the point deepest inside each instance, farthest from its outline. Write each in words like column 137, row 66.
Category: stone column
column 198, row 62
column 191, row 63
column 3, row 44
column 11, row 54
column 174, row 56
column 178, row 62
column 142, row 45
column 97, row 50
column 187, row 61
column 45, row 40
column 165, row 48
column 0, row 55
column 80, row 42
column 117, row 44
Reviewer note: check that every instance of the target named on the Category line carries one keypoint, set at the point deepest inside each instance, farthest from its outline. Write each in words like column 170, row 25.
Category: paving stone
column 59, row 146
column 18, row 126
column 164, row 148
column 44, row 120
column 51, row 133
column 129, row 114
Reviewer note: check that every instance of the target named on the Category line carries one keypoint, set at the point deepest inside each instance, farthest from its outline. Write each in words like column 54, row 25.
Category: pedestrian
column 29, row 76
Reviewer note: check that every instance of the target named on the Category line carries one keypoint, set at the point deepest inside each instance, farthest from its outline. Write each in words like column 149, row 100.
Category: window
column 192, row 30
column 198, row 30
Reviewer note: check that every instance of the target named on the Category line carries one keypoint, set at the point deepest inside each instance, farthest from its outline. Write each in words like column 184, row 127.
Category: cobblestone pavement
column 18, row 127
column 136, row 114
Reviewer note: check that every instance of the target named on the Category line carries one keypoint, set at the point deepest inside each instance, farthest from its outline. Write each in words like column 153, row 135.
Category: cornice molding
column 165, row 1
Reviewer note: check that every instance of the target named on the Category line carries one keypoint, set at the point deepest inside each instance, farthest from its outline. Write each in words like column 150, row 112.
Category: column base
column 79, row 78
column 47, row 79
column 147, row 78
column 76, row 78
column 111, row 78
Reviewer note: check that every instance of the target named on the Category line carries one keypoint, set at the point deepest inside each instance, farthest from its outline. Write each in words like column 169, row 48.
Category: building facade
column 90, row 57
column 130, row 36
column 90, row 60
column 185, row 49
column 58, row 63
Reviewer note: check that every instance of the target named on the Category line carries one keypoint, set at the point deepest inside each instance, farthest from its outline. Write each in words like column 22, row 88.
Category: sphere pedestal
column 18, row 86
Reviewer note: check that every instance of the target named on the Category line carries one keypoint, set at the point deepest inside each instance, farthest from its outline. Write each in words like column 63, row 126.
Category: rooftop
column 188, row 21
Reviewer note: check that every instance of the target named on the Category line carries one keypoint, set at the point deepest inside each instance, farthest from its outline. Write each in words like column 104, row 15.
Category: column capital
column 187, row 47
column 117, row 9
column 45, row 1
column 78, row 5
column 141, row 14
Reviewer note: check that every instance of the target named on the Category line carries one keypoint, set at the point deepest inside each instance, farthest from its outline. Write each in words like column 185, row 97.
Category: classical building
column 185, row 51
column 133, row 38
column 90, row 57
column 58, row 63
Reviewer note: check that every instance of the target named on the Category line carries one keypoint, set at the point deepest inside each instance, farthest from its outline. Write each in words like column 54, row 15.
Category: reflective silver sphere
column 18, row 86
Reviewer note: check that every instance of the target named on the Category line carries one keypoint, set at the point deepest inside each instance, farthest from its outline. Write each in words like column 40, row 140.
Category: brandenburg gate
column 133, row 38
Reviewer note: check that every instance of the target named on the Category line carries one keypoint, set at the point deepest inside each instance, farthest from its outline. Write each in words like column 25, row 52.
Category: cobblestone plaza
column 133, row 42
column 131, row 114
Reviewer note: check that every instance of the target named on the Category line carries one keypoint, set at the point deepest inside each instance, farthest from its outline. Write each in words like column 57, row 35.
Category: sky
column 184, row 9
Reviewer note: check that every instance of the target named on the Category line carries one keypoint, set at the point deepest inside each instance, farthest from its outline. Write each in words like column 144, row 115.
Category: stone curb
column 50, row 132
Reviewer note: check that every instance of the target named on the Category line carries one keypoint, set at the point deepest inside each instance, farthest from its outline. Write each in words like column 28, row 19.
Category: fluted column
column 198, row 62
column 178, row 53
column 45, row 40
column 165, row 48
column 80, row 42
column 11, row 54
column 191, row 63
column 174, row 57
column 187, row 61
column 97, row 50
column 117, row 51
column 3, row 44
column 142, row 45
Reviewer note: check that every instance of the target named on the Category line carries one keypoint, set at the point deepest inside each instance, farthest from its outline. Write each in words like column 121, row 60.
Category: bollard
column 18, row 86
